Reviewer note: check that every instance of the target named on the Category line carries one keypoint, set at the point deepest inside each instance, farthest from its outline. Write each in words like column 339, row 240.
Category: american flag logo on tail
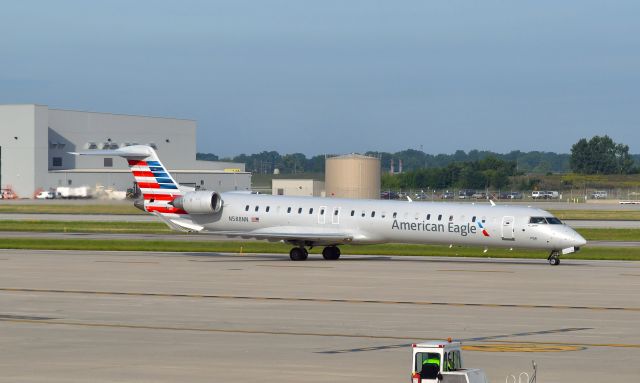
column 157, row 186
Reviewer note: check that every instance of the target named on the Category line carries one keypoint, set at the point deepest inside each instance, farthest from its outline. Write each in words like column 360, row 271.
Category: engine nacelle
column 199, row 202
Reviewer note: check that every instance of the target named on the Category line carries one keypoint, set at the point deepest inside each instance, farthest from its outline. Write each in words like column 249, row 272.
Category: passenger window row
column 395, row 215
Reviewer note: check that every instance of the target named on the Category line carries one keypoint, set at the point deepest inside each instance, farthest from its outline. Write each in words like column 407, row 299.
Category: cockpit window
column 554, row 221
column 537, row 220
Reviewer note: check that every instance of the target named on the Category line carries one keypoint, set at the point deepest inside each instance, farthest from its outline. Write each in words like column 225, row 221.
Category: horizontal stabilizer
column 134, row 151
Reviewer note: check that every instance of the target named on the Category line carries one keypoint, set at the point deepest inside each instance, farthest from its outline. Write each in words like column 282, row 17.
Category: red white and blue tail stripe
column 158, row 187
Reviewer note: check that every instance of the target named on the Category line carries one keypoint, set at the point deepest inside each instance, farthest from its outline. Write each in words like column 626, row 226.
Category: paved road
column 105, row 316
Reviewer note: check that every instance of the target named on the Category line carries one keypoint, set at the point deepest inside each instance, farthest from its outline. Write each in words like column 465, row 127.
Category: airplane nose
column 578, row 240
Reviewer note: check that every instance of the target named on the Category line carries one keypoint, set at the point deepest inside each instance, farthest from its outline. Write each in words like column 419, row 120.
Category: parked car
column 553, row 194
column 600, row 194
column 446, row 195
column 7, row 194
column 422, row 196
column 388, row 195
column 466, row 193
column 479, row 195
column 46, row 195
column 514, row 195
column 538, row 194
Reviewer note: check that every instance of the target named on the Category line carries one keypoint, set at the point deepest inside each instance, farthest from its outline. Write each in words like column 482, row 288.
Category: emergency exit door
column 507, row 228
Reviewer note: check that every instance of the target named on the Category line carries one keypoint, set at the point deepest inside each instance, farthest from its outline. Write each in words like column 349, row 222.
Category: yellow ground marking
column 521, row 347
column 490, row 346
column 127, row 262
column 332, row 300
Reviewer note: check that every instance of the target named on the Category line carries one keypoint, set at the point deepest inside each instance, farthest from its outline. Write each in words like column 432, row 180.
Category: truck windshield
column 424, row 359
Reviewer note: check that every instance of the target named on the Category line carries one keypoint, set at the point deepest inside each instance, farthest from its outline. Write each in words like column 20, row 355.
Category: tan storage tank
column 352, row 176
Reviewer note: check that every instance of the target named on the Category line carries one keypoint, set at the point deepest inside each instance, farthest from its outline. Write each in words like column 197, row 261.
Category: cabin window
column 428, row 217
column 267, row 209
column 310, row 210
column 395, row 214
column 373, row 214
column 336, row 211
column 439, row 217
column 363, row 214
column 246, row 208
column 450, row 218
column 484, row 219
column 353, row 212
column 473, row 219
column 299, row 210
column 257, row 208
column 289, row 209
column 321, row 211
column 383, row 214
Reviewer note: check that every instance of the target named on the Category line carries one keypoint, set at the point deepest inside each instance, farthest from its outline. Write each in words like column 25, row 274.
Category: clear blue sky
column 338, row 76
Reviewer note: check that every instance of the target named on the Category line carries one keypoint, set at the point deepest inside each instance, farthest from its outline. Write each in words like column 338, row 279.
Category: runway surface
column 123, row 316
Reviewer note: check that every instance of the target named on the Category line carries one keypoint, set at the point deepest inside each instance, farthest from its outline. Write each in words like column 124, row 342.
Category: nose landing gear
column 554, row 258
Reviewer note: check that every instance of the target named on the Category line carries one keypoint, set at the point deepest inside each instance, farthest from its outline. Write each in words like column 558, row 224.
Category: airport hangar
column 35, row 141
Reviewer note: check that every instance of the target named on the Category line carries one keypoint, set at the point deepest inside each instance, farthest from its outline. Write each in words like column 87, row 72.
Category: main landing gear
column 300, row 253
column 331, row 253
column 554, row 258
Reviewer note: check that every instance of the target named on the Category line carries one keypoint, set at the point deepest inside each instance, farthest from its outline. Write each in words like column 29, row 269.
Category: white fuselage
column 381, row 221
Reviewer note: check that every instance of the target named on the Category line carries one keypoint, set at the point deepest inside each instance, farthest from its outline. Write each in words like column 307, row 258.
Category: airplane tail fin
column 158, row 187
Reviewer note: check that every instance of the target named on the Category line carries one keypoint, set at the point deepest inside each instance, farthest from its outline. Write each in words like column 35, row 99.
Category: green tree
column 600, row 155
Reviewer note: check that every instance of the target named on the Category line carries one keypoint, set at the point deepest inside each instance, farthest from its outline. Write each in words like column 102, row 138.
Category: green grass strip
column 161, row 228
column 86, row 227
column 602, row 253
column 604, row 215
column 53, row 208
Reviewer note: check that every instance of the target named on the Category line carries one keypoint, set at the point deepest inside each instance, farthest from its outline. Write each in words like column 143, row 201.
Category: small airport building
column 35, row 142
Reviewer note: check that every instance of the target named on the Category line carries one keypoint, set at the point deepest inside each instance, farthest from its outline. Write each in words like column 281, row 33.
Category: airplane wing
column 317, row 238
column 273, row 234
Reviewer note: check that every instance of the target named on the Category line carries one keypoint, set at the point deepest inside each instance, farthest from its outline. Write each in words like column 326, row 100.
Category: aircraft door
column 335, row 216
column 508, row 228
column 322, row 213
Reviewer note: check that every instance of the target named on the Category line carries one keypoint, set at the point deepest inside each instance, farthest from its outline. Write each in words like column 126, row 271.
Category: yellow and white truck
column 441, row 362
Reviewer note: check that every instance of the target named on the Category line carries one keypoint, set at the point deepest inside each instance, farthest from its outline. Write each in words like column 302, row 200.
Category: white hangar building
column 35, row 141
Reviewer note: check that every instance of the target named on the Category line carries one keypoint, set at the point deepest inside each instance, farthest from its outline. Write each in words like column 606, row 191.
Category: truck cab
column 441, row 362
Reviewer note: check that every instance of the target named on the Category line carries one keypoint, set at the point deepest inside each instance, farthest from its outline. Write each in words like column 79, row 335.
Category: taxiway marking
column 323, row 300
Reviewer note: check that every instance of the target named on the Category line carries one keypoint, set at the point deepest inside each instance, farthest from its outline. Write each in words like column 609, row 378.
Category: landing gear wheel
column 331, row 253
column 554, row 259
column 298, row 254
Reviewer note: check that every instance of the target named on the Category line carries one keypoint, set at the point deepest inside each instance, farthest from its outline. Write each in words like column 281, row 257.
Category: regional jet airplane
column 308, row 221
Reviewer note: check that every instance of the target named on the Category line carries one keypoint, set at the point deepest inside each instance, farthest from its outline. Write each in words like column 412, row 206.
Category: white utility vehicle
column 441, row 362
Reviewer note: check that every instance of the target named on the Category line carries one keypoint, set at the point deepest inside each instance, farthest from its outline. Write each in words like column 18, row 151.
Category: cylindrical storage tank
column 352, row 176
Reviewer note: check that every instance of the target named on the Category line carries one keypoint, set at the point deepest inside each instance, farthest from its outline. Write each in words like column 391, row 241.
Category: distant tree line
column 598, row 155
column 490, row 172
